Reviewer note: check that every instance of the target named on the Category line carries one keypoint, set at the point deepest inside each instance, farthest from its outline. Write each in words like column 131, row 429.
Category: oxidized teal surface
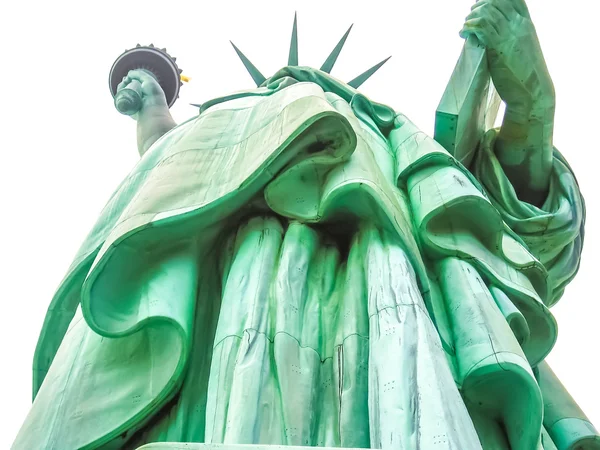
column 299, row 265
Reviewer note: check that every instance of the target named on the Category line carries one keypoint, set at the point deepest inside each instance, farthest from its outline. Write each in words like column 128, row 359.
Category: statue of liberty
column 299, row 265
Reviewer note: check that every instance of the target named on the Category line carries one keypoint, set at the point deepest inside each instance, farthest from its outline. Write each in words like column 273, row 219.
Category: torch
column 155, row 61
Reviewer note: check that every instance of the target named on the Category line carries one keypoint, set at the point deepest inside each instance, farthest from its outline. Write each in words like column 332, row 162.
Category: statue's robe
column 299, row 265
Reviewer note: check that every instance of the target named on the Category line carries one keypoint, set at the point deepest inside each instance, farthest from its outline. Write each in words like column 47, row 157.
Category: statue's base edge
column 192, row 446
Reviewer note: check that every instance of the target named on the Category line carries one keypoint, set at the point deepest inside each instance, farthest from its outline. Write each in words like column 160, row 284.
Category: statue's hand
column 524, row 145
column 152, row 95
column 515, row 58
column 152, row 112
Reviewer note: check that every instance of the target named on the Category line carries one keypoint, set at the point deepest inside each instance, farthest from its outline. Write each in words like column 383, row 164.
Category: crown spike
column 293, row 56
column 251, row 68
column 332, row 58
column 359, row 80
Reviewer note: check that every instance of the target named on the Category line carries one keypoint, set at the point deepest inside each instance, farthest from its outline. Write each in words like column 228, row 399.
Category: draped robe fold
column 300, row 265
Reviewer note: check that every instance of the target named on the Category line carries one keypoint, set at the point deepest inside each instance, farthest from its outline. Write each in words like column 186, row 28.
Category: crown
column 259, row 78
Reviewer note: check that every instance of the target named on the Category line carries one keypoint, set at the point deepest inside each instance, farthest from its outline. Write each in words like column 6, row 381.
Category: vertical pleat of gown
column 319, row 343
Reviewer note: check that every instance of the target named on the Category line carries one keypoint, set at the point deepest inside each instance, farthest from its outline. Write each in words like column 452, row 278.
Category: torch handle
column 128, row 101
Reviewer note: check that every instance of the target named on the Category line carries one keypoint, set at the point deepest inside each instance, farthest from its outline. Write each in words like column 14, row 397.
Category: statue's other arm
column 524, row 145
column 517, row 164
column 154, row 118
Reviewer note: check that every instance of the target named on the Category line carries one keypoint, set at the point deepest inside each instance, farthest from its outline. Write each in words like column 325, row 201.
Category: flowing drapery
column 312, row 150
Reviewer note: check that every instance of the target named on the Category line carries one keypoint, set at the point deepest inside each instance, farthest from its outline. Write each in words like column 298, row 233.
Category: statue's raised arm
column 152, row 114
column 519, row 72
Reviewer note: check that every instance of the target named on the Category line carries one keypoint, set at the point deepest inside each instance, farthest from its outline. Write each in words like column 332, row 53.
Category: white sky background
column 65, row 149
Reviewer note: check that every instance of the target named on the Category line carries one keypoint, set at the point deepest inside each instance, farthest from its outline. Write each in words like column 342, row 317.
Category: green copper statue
column 299, row 265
